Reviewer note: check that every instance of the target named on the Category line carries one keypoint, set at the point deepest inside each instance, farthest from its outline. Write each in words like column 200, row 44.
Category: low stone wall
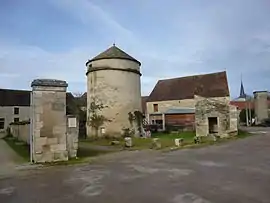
column 2, row 133
column 21, row 131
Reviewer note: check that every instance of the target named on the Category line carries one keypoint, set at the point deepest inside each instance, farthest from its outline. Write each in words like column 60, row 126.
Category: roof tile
column 207, row 85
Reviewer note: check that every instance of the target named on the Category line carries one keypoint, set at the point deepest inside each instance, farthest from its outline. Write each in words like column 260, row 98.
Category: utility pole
column 249, row 107
column 246, row 103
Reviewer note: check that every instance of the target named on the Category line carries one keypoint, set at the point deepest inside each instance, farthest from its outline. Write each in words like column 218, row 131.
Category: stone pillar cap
column 49, row 83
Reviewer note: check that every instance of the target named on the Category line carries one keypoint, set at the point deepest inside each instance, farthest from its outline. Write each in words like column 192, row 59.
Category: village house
column 15, row 107
column 172, row 101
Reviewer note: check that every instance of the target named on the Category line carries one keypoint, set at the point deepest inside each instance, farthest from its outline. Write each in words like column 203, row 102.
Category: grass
column 21, row 148
column 166, row 140
column 84, row 152
column 92, row 148
column 243, row 134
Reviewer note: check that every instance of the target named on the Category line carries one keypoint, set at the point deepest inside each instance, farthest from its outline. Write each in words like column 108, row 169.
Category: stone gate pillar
column 48, row 106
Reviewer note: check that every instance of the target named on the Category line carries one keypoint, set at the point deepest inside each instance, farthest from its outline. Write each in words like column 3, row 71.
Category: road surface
column 236, row 171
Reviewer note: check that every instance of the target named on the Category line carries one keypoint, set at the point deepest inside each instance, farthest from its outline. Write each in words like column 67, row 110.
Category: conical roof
column 114, row 53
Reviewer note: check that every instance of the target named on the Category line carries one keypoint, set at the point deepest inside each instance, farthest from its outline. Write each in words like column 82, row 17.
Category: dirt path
column 8, row 159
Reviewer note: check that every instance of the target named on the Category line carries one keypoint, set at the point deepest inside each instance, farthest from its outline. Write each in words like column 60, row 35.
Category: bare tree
column 77, row 94
column 95, row 118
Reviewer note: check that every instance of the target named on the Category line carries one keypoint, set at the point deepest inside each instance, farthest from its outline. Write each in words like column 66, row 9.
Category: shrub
column 127, row 132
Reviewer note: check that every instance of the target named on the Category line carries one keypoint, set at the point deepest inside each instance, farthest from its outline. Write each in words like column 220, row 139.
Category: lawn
column 94, row 147
column 21, row 148
column 166, row 140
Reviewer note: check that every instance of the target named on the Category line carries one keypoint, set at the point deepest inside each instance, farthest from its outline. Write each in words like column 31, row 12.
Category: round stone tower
column 113, row 92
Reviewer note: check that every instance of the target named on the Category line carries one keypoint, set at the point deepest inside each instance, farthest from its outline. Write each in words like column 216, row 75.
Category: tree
column 242, row 115
column 136, row 117
column 95, row 118
column 78, row 94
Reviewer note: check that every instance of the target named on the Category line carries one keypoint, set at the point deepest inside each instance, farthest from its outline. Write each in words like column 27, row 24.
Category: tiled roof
column 114, row 53
column 10, row 97
column 207, row 85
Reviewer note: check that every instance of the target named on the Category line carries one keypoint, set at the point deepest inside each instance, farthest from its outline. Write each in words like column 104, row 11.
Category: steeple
column 242, row 91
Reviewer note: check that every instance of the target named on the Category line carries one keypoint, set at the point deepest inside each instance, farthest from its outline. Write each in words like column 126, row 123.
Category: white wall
column 163, row 106
column 7, row 112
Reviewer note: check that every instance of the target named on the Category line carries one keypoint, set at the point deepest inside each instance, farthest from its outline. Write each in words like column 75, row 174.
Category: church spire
column 242, row 91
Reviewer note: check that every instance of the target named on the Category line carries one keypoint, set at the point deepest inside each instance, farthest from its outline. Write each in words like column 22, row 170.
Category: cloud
column 171, row 39
column 27, row 63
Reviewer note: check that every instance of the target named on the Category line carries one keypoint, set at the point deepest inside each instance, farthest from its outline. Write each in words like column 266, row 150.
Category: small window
column 155, row 107
column 16, row 110
column 2, row 123
column 16, row 120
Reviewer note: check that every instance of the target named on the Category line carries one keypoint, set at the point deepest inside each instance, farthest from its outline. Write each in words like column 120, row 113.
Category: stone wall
column 260, row 105
column 48, row 121
column 225, row 114
column 72, row 135
column 21, row 132
column 119, row 90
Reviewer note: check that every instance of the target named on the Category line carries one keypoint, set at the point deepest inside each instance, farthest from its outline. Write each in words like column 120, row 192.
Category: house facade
column 172, row 101
column 15, row 107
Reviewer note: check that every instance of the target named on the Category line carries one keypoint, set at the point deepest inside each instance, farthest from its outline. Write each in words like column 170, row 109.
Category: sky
column 173, row 38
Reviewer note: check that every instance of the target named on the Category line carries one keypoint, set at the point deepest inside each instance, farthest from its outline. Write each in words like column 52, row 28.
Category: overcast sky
column 173, row 38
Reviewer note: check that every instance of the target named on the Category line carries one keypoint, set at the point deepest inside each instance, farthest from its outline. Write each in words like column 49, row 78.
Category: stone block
column 73, row 153
column 52, row 141
column 38, row 125
column 58, row 147
column 59, row 129
column 38, row 109
column 37, row 117
column 156, row 144
column 179, row 142
column 47, row 157
column 75, row 145
column 128, row 142
column 36, row 133
column 62, row 139
column 60, row 156
column 37, row 158
column 44, row 157
column 40, row 141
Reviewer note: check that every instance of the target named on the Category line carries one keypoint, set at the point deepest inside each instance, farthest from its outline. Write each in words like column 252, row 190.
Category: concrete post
column 260, row 105
column 48, row 107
